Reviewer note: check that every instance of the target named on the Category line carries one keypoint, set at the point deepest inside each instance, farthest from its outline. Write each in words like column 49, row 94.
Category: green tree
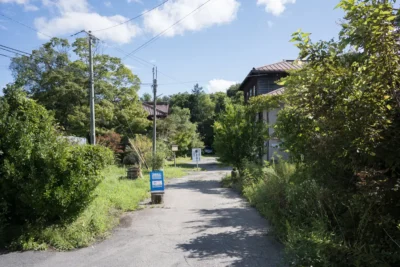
column 177, row 129
column 61, row 85
column 221, row 100
column 234, row 94
column 239, row 137
column 181, row 100
column 146, row 97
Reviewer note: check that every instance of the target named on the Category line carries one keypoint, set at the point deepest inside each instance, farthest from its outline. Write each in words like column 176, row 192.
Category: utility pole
column 154, row 113
column 91, row 93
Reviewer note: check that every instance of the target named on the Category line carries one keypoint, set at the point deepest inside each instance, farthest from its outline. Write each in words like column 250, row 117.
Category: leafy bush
column 238, row 137
column 158, row 161
column 341, row 124
column 43, row 178
column 112, row 140
column 318, row 225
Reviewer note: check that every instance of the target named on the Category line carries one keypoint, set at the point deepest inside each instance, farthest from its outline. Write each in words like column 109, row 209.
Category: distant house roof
column 282, row 66
column 279, row 91
column 279, row 67
column 162, row 110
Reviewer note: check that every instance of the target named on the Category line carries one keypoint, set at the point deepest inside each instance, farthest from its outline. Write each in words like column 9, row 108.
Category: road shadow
column 242, row 247
column 238, row 234
column 4, row 251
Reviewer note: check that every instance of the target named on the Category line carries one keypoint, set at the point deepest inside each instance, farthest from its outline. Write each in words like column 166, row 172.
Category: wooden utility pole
column 91, row 93
column 92, row 134
column 154, row 116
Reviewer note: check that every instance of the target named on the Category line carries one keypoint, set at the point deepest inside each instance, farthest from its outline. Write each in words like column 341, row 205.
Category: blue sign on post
column 157, row 181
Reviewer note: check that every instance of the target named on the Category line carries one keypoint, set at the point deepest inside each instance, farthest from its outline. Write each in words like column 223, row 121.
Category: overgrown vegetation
column 338, row 203
column 44, row 179
column 239, row 134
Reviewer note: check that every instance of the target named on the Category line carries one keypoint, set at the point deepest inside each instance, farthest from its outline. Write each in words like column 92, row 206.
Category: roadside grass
column 114, row 195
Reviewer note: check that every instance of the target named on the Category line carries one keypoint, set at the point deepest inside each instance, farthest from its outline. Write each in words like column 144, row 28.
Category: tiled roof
column 282, row 66
column 279, row 91
column 161, row 109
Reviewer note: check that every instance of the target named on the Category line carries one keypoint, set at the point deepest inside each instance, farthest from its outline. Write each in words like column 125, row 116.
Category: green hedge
column 43, row 179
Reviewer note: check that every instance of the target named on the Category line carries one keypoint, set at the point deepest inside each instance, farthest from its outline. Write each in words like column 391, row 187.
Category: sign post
column 175, row 148
column 157, row 186
column 196, row 156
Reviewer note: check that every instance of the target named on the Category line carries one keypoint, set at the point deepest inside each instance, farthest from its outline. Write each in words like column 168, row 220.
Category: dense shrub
column 43, row 179
column 112, row 140
column 341, row 123
column 158, row 161
column 320, row 226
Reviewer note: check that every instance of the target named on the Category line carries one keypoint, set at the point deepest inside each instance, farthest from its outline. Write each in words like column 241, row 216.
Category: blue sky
column 216, row 46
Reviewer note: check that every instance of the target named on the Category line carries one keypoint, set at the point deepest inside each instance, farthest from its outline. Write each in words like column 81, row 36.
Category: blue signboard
column 157, row 181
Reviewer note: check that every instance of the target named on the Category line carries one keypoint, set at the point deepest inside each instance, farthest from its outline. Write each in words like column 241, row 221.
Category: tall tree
column 177, row 129
column 146, row 97
column 234, row 94
column 61, row 85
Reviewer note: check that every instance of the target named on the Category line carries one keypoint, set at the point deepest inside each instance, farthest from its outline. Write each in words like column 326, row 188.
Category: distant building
column 263, row 81
column 162, row 110
column 76, row 140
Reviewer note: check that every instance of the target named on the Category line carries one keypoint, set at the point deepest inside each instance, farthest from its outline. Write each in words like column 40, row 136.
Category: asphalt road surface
column 199, row 224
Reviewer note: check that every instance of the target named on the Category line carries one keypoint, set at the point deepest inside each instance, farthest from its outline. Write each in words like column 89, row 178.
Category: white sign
column 196, row 155
column 175, row 148
column 157, row 183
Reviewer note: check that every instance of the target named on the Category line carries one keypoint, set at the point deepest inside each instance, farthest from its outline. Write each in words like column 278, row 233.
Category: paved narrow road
column 199, row 224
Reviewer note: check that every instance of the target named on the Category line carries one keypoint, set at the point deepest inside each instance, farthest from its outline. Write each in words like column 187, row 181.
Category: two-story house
column 263, row 81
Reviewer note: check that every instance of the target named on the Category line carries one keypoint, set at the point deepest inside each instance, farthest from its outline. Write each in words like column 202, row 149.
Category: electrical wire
column 164, row 31
column 5, row 56
column 142, row 61
column 23, row 24
column 10, row 48
column 11, row 51
column 136, row 17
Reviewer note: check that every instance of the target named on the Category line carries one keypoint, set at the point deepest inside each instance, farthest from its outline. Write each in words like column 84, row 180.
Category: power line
column 13, row 50
column 167, row 29
column 27, row 26
column 136, row 17
column 5, row 56
column 142, row 61
column 123, row 52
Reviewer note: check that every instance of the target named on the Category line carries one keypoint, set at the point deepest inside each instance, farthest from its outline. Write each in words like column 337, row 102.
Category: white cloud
column 219, row 85
column 74, row 16
column 135, row 1
column 213, row 13
column 25, row 3
column 108, row 4
column 270, row 24
column 276, row 7
column 2, row 27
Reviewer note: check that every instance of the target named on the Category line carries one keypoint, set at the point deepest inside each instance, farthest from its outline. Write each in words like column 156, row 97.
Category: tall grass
column 320, row 226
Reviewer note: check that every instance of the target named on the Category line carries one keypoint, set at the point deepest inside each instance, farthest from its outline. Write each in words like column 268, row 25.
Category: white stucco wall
column 273, row 145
